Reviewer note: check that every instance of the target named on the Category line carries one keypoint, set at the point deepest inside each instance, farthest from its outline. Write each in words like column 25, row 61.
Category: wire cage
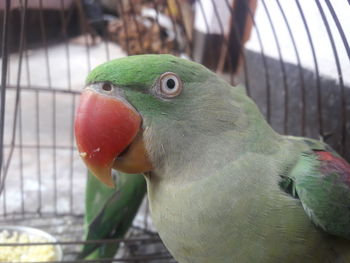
column 292, row 56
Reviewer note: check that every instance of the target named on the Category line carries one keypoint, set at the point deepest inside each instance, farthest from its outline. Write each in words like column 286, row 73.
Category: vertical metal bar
column 54, row 153
column 17, row 109
column 19, row 75
column 20, row 147
column 36, row 124
column 284, row 74
column 301, row 75
column 223, row 57
column 173, row 23
column 188, row 42
column 4, row 72
column 206, row 23
column 225, row 42
column 3, row 196
column 38, row 152
column 205, row 18
column 69, row 83
column 159, row 28
column 340, row 78
column 71, row 157
column 4, row 54
column 44, row 38
column 121, row 5
column 139, row 36
column 318, row 82
column 3, row 168
column 263, row 57
column 66, row 45
column 339, row 27
column 241, row 53
column 27, row 61
column 82, row 22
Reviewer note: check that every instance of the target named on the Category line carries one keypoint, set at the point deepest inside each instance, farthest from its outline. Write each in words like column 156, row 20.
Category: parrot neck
column 202, row 155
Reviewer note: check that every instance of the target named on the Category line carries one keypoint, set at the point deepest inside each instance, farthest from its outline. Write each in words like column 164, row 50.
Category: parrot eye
column 170, row 85
column 107, row 87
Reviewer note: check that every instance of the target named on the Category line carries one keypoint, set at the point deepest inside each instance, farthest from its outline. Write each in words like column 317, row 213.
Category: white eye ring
column 170, row 85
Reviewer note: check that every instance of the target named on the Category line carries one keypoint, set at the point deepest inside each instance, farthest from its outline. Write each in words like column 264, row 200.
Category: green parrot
column 223, row 186
column 109, row 212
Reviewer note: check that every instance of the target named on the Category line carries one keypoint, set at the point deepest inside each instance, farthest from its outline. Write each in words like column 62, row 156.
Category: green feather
column 109, row 212
column 325, row 197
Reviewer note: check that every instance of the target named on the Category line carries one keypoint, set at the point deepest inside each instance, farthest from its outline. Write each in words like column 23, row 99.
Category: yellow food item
column 28, row 253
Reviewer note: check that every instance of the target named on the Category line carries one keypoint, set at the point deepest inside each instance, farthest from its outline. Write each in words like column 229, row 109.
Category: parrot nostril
column 107, row 87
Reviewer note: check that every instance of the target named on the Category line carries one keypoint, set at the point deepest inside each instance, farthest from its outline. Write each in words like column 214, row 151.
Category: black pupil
column 107, row 87
column 170, row 83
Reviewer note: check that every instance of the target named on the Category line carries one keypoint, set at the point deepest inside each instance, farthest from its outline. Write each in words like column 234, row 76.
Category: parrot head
column 138, row 113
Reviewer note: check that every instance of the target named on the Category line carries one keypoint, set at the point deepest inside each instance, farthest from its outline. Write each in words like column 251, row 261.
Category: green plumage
column 109, row 212
column 324, row 193
column 226, row 187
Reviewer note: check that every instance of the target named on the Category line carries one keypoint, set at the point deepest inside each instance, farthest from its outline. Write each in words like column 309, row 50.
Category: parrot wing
column 109, row 212
column 321, row 180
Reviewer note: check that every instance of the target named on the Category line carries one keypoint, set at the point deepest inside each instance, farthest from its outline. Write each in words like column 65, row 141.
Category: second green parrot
column 109, row 213
column 223, row 186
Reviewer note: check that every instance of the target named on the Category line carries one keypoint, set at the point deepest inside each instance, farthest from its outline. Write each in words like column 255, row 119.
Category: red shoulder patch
column 331, row 164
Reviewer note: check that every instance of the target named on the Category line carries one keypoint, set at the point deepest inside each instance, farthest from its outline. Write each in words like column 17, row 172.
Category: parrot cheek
column 104, row 127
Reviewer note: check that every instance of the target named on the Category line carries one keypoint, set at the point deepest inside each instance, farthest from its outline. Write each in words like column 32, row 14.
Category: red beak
column 104, row 127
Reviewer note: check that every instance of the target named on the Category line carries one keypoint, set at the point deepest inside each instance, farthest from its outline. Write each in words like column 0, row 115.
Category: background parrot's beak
column 104, row 128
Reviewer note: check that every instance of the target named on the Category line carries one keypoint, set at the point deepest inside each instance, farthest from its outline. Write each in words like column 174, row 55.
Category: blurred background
column 292, row 56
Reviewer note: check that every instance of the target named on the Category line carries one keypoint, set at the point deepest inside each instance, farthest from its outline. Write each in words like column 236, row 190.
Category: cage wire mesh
column 292, row 56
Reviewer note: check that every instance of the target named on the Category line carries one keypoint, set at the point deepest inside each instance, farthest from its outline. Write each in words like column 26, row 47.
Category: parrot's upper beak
column 109, row 135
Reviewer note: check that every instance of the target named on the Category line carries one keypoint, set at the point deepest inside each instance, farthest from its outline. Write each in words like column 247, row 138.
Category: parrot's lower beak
column 109, row 135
